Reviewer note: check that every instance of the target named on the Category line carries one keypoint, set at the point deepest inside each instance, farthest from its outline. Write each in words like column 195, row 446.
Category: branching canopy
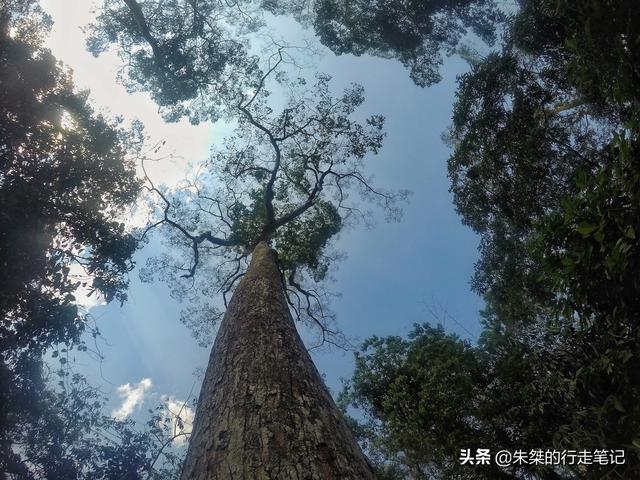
column 285, row 177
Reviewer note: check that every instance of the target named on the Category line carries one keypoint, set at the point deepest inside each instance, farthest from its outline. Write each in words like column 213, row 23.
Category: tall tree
column 264, row 411
column 284, row 181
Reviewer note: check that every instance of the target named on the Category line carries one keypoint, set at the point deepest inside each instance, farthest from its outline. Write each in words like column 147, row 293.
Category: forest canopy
column 543, row 167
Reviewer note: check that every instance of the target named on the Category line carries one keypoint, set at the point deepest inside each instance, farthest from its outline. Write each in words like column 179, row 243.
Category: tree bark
column 264, row 412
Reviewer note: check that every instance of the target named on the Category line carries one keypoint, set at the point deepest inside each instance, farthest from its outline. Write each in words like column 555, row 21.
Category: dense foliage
column 415, row 32
column 181, row 52
column 60, row 430
column 164, row 43
column 546, row 169
column 64, row 179
column 425, row 398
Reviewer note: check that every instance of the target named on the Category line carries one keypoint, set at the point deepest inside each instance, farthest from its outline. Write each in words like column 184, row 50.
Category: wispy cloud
column 132, row 396
column 177, row 419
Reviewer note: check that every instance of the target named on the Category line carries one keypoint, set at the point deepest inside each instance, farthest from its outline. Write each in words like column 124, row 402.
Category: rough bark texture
column 264, row 412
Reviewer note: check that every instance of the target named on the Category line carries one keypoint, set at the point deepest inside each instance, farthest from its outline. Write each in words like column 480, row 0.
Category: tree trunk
column 264, row 412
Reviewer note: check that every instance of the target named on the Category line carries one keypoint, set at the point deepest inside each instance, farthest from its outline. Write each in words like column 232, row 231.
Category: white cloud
column 177, row 419
column 132, row 397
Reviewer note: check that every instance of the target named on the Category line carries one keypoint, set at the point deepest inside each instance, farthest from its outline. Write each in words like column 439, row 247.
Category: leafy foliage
column 415, row 32
column 180, row 52
column 419, row 396
column 64, row 180
column 284, row 178
column 427, row 397
column 180, row 49
column 545, row 169
column 591, row 256
column 61, row 431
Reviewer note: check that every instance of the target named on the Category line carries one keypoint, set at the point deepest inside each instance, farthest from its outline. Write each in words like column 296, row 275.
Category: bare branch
column 196, row 240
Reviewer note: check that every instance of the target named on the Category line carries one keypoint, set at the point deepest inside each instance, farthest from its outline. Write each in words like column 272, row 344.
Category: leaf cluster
column 65, row 178
column 545, row 169
column 415, row 32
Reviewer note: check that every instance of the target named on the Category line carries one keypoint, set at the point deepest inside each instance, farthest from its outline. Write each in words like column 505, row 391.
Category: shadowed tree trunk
column 264, row 412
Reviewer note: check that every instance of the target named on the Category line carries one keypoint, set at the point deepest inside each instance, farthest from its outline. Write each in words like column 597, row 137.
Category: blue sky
column 392, row 272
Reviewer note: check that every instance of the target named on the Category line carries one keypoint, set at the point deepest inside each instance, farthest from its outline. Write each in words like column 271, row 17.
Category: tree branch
column 138, row 16
column 196, row 240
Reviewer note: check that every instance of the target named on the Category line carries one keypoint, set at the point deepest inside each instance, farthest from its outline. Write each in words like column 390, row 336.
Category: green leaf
column 626, row 357
column 618, row 406
column 630, row 233
column 586, row 228
column 567, row 262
